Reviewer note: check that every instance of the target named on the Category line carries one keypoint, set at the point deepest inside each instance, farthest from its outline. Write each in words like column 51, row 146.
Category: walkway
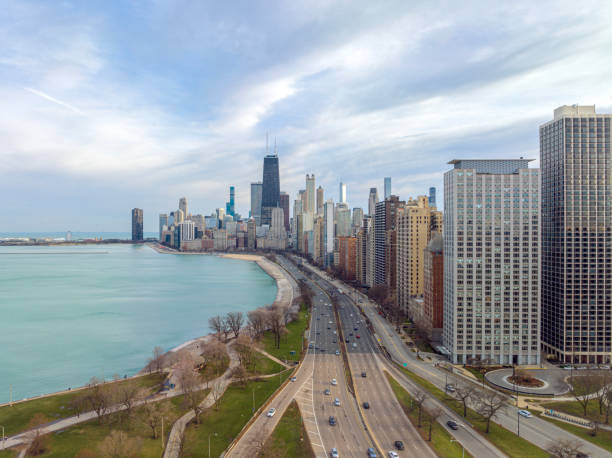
column 273, row 358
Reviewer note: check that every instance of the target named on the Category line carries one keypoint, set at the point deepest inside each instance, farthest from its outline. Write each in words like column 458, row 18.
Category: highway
column 537, row 431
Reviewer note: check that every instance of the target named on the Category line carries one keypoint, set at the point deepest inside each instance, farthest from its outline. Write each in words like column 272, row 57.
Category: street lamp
column 2, row 436
column 209, row 443
column 518, row 424
column 462, row 449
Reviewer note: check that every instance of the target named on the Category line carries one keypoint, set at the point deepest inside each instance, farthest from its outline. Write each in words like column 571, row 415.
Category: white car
column 525, row 413
column 334, row 382
column 337, row 352
column 334, row 453
column 271, row 412
column 393, row 454
column 337, row 402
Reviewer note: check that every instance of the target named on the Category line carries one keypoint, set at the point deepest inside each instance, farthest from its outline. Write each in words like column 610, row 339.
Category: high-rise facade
column 342, row 193
column 576, row 161
column 284, row 204
column 230, row 205
column 256, row 193
column 387, row 187
column 372, row 201
column 163, row 221
column 343, row 220
column 137, row 223
column 270, row 193
column 183, row 206
column 433, row 283
column 492, row 262
column 320, row 200
column 384, row 227
column 310, row 194
column 357, row 217
column 187, row 231
column 328, row 219
column 432, row 197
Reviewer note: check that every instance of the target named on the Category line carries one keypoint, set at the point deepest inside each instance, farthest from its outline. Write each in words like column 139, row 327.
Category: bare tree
column 419, row 399
column 235, row 320
column 156, row 363
column 274, row 321
column 217, row 324
column 608, row 407
column 239, row 373
column 37, row 441
column 153, row 413
column 244, row 349
column 214, row 355
column 465, row 393
column 98, row 397
column 118, row 445
column 564, row 448
column 604, row 388
column 190, row 382
column 489, row 404
column 433, row 415
column 78, row 404
column 127, row 395
column 257, row 321
column 582, row 386
column 217, row 391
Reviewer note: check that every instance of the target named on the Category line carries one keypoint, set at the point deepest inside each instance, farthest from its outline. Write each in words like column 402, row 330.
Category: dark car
column 399, row 445
column 346, row 340
column 363, row 374
column 452, row 425
column 366, row 405
column 355, row 329
column 332, row 421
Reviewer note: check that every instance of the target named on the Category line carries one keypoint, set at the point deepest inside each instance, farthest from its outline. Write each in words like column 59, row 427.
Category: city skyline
column 102, row 118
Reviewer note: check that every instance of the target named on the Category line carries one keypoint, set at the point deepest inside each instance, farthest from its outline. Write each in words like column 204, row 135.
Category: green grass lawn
column 574, row 408
column 212, row 371
column 603, row 438
column 292, row 341
column 89, row 435
column 440, row 438
column 8, row 454
column 224, row 424
column 264, row 365
column 16, row 418
column 289, row 439
column 505, row 440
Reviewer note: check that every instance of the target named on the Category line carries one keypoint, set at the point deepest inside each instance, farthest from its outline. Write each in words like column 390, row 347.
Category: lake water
column 68, row 313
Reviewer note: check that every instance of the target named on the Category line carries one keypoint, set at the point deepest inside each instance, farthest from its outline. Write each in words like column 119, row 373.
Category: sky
column 110, row 105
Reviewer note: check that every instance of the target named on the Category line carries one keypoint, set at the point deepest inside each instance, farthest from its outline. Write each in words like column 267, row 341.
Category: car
column 337, row 352
column 363, row 374
column 354, row 345
column 322, row 349
column 328, row 327
column 366, row 405
column 335, row 333
column 334, row 341
column 334, row 453
column 334, row 382
column 337, row 402
column 318, row 318
column 372, row 453
column 358, row 336
column 525, row 413
column 351, row 334
column 355, row 329
column 393, row 454
column 327, row 391
column 604, row 367
column 346, row 340
column 271, row 412
column 450, row 388
column 452, row 425
column 329, row 322
column 567, row 368
column 293, row 379
column 399, row 445
column 332, row 421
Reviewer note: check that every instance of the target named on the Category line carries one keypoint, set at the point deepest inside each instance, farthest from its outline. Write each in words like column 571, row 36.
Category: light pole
column 2, row 436
column 253, row 410
column 462, row 449
column 209, row 443
column 518, row 424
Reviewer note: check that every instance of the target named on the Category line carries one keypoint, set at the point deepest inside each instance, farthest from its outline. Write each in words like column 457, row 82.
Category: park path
column 273, row 358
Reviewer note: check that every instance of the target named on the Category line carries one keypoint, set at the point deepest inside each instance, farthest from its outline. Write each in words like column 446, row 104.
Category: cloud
column 53, row 99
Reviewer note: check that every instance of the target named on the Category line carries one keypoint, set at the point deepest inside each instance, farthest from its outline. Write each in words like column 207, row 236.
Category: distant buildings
column 372, row 201
column 433, row 285
column 256, row 195
column 284, row 204
column 387, row 187
column 137, row 223
column 432, row 197
column 576, row 163
column 163, row 223
column 229, row 206
column 492, row 262
column 183, row 206
column 310, row 194
column 342, row 193
column 270, row 197
column 320, row 200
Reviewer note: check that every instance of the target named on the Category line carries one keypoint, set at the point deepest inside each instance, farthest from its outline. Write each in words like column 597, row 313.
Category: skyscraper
column 432, row 197
column 229, row 206
column 256, row 192
column 342, row 193
column 320, row 201
column 163, row 221
column 183, row 206
column 387, row 187
column 343, row 220
column 328, row 218
column 284, row 204
column 576, row 166
column 357, row 217
column 384, row 227
column 433, row 284
column 492, row 262
column 137, row 221
column 310, row 194
column 372, row 201
column 270, row 194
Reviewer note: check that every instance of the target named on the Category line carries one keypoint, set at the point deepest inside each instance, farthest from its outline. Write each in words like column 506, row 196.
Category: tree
column 235, row 320
column 99, row 397
column 127, row 395
column 190, row 382
column 78, row 404
column 274, row 321
column 217, row 324
column 239, row 373
column 564, row 448
column 37, row 441
column 419, row 399
column 214, row 355
column 217, row 391
column 582, row 386
column 257, row 321
column 604, row 388
column 244, row 349
column 608, row 407
column 153, row 413
column 433, row 415
column 489, row 404
column 118, row 445
column 156, row 362
column 465, row 393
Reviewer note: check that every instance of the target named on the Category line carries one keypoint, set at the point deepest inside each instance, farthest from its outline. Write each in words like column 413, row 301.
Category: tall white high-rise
column 343, row 220
column 187, row 231
column 328, row 218
column 310, row 194
column 342, row 193
column 357, row 217
column 492, row 262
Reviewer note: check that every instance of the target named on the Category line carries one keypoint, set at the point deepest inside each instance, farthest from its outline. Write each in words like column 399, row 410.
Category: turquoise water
column 68, row 313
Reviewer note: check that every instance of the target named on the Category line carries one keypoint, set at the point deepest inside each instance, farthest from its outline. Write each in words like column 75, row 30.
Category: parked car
column 366, row 405
column 363, row 374
column 337, row 352
column 327, row 392
column 372, row 453
column 332, row 421
column 334, row 453
column 358, row 336
column 399, row 445
column 334, row 381
column 337, row 402
column 271, row 412
column 525, row 413
column 450, row 388
column 293, row 379
column 393, row 454
column 452, row 424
